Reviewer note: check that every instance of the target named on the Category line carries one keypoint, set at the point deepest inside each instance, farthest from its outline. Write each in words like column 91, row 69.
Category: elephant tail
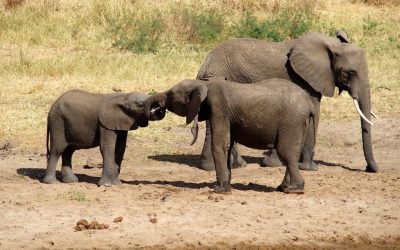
column 312, row 123
column 203, row 68
column 47, row 140
column 309, row 123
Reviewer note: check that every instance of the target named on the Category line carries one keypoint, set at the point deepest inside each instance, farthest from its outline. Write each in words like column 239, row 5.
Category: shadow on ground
column 193, row 160
column 330, row 164
column 38, row 174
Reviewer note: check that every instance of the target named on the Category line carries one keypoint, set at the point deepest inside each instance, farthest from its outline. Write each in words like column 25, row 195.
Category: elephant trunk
column 365, row 106
column 154, row 101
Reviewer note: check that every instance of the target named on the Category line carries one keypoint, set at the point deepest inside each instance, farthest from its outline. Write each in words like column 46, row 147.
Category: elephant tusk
column 372, row 113
column 360, row 112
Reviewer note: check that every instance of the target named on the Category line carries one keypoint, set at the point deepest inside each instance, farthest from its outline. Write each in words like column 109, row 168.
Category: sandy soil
column 166, row 202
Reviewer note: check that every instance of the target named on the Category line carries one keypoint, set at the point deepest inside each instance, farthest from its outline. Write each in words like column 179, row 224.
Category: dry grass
column 48, row 47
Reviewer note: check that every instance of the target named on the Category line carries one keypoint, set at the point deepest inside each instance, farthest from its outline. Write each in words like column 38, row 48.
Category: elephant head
column 125, row 112
column 325, row 62
column 183, row 99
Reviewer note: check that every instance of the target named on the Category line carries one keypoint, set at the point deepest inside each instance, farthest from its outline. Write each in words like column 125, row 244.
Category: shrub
column 369, row 26
column 291, row 22
column 140, row 36
column 250, row 27
column 127, row 28
column 203, row 27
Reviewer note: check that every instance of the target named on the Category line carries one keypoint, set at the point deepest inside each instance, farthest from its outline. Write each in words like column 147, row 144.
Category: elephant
column 317, row 63
column 273, row 113
column 81, row 120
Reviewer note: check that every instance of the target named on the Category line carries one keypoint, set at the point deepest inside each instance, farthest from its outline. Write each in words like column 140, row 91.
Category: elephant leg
column 120, row 148
column 271, row 159
column 109, row 176
column 221, row 148
column 289, row 149
column 236, row 160
column 50, row 176
column 66, row 167
column 285, row 183
column 307, row 155
column 207, row 161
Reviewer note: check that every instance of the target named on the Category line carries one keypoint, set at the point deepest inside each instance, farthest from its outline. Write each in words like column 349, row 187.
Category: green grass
column 49, row 47
column 73, row 196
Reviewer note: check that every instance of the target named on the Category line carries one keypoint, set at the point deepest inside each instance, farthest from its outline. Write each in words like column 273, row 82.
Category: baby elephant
column 270, row 114
column 79, row 120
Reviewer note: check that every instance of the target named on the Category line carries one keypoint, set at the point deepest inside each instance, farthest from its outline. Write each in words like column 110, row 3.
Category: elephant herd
column 263, row 95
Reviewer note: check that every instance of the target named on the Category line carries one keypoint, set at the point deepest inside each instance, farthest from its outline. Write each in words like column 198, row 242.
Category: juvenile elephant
column 80, row 120
column 273, row 113
column 315, row 62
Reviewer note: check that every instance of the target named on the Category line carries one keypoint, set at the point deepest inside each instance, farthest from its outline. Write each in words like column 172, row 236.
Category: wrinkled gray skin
column 273, row 113
column 315, row 62
column 80, row 120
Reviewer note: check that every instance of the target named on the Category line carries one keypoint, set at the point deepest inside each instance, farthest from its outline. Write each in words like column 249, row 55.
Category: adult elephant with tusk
column 315, row 62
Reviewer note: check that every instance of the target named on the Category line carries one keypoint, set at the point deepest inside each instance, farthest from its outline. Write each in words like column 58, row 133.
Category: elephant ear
column 311, row 57
column 196, row 95
column 342, row 36
column 114, row 115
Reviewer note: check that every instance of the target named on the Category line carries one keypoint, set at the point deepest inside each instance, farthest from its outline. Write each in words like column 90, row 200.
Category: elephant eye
column 352, row 73
column 349, row 75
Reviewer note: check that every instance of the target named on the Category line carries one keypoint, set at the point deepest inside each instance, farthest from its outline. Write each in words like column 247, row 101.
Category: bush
column 140, row 36
column 369, row 26
column 250, row 27
column 203, row 27
column 289, row 23
column 127, row 28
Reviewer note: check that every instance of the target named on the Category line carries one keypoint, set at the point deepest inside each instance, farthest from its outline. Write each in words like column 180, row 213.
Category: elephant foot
column 223, row 188
column 108, row 182
column 207, row 165
column 309, row 167
column 271, row 161
column 49, row 179
column 69, row 179
column 68, row 175
column 291, row 188
column 239, row 164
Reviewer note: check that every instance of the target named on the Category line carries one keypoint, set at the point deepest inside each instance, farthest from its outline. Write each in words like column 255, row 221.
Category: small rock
column 152, row 218
column 118, row 219
column 80, row 227
column 83, row 222
column 219, row 198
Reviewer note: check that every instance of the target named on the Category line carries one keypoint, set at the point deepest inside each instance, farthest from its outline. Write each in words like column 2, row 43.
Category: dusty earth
column 166, row 202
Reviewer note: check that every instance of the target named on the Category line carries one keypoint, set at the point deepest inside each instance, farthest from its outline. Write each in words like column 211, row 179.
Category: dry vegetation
column 48, row 47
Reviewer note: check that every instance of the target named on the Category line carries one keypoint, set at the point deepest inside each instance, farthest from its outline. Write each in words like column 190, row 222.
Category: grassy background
column 50, row 46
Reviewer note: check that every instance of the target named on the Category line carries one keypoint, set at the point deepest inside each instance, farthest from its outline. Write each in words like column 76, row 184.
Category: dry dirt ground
column 166, row 202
